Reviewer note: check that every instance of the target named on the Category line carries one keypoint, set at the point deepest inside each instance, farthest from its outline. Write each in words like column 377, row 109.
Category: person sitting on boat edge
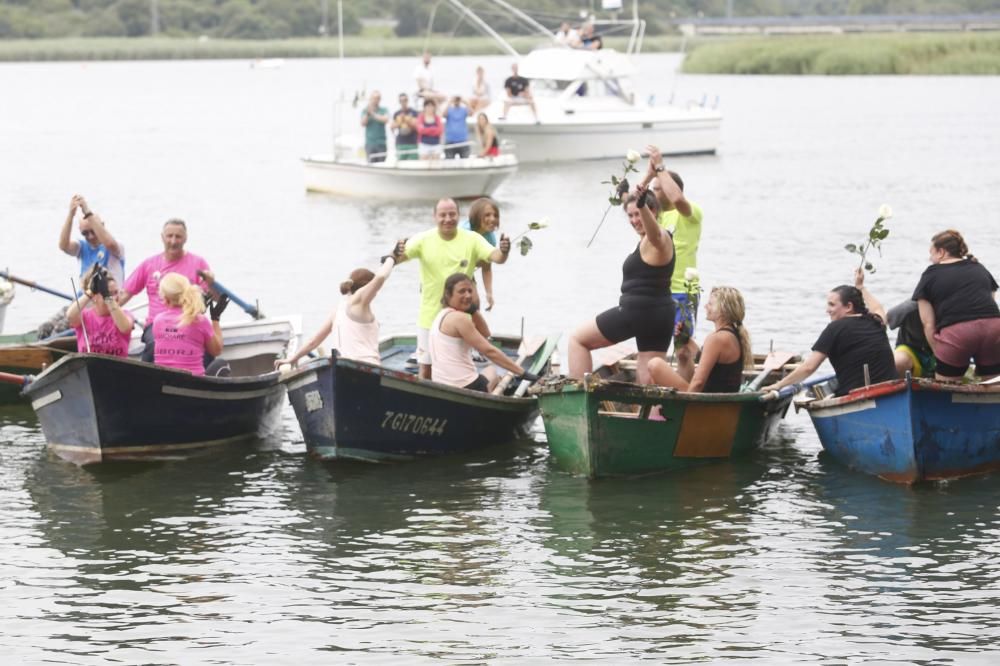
column 484, row 219
column 103, row 328
column 912, row 352
column 481, row 97
column 725, row 354
column 453, row 336
column 956, row 297
column 682, row 218
column 353, row 323
column 185, row 338
column 456, row 129
column 487, row 136
column 429, row 131
column 442, row 251
column 425, row 81
column 147, row 275
column 854, row 339
column 645, row 310
column 404, row 122
column 374, row 118
column 518, row 93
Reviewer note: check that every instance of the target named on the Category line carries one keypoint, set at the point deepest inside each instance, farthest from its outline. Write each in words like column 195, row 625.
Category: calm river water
column 262, row 556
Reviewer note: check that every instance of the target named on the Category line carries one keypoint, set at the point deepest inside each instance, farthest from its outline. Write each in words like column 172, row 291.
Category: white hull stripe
column 46, row 399
column 976, row 398
column 151, row 448
column 216, row 395
column 304, row 380
column 862, row 406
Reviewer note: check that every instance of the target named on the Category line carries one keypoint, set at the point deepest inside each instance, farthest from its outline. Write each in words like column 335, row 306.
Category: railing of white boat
column 509, row 147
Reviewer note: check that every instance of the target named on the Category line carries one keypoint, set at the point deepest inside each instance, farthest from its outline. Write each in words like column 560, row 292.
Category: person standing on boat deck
column 96, row 245
column 682, row 219
column 484, row 219
column 373, row 119
column 442, row 251
column 425, row 81
column 645, row 310
column 956, row 297
column 173, row 259
column 481, row 97
column 487, row 135
column 104, row 328
column 404, row 123
column 725, row 354
column 453, row 336
column 518, row 93
column 567, row 36
column 854, row 338
column 353, row 324
column 456, row 129
column 429, row 131
column 184, row 336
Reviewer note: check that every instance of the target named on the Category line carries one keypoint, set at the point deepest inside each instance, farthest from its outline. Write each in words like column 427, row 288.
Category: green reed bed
column 165, row 48
column 904, row 53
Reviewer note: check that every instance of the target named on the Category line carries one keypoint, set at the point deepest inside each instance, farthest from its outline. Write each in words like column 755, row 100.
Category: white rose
column 884, row 211
column 691, row 274
column 632, row 156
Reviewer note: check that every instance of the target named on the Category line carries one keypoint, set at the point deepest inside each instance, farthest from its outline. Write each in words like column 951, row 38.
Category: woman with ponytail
column 353, row 324
column 183, row 335
column 725, row 354
column 956, row 297
column 855, row 338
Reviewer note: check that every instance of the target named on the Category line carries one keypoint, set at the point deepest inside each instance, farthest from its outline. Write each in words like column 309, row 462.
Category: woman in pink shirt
column 103, row 328
column 182, row 333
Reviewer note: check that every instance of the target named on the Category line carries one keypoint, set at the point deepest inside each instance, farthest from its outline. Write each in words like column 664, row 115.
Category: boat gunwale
column 894, row 386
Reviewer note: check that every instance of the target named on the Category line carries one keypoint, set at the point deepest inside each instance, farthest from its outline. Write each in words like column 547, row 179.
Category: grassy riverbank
column 906, row 53
column 151, row 48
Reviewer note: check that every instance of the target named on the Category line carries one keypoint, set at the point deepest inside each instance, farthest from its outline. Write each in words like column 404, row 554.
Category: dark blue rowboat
column 350, row 410
column 910, row 430
column 95, row 408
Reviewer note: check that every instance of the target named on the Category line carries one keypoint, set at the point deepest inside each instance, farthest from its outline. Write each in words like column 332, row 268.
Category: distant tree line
column 278, row 19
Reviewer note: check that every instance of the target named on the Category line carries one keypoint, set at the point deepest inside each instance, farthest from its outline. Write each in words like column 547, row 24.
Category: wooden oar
column 773, row 361
column 18, row 380
column 35, row 285
column 251, row 310
column 525, row 350
column 541, row 358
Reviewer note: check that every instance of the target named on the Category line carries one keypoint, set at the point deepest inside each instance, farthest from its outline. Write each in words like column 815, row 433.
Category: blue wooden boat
column 350, row 410
column 95, row 408
column 910, row 430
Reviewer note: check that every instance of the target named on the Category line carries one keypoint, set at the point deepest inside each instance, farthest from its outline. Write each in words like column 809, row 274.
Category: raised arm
column 66, row 243
column 104, row 236
column 656, row 236
column 367, row 293
column 671, row 191
column 475, row 340
column 499, row 255
column 873, row 304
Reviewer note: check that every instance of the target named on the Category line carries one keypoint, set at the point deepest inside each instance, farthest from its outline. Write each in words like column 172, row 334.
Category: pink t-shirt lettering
column 147, row 276
column 103, row 334
column 181, row 347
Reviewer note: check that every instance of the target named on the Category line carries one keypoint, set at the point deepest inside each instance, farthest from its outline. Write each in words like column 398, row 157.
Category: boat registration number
column 418, row 425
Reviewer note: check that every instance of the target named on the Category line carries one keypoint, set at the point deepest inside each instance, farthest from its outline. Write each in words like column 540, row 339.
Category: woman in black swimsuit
column 645, row 309
column 725, row 354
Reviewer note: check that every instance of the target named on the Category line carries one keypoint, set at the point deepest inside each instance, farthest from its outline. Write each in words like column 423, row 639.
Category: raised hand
column 218, row 307
column 504, row 244
column 399, row 250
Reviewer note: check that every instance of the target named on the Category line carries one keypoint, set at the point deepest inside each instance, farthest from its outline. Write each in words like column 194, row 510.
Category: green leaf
column 614, row 180
column 525, row 245
column 883, row 234
column 851, row 247
column 614, row 201
column 869, row 267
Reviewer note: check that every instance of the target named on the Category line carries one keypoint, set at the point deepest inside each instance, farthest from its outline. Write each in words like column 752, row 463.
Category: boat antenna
column 524, row 18
column 482, row 25
column 83, row 326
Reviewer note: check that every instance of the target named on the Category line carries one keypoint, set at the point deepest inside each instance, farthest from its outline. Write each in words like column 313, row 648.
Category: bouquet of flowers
column 876, row 235
column 692, row 287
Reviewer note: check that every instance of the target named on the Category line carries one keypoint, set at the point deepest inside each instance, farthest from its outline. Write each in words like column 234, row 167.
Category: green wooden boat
column 602, row 427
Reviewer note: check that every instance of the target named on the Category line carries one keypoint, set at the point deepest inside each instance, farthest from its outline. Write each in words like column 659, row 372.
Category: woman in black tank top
column 725, row 353
column 645, row 310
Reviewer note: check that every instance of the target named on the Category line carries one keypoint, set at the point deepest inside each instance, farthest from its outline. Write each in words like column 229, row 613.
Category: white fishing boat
column 348, row 173
column 586, row 101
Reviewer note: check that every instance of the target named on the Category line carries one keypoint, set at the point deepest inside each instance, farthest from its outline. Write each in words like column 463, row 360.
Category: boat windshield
column 579, row 88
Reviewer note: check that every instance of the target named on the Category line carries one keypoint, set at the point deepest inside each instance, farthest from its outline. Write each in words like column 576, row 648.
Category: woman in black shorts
column 645, row 309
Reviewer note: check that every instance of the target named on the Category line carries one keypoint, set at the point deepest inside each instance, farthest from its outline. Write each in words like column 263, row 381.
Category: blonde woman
column 183, row 335
column 725, row 354
column 353, row 324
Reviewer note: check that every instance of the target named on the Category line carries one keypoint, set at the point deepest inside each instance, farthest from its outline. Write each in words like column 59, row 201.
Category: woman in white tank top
column 353, row 324
column 453, row 336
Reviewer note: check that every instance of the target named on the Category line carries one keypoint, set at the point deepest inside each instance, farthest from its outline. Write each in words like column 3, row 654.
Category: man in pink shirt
column 174, row 259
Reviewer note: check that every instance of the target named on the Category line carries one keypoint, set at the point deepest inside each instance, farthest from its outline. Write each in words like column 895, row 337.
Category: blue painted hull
column 97, row 408
column 912, row 430
column 350, row 410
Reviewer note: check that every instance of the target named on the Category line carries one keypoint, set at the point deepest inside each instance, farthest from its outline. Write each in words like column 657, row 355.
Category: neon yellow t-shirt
column 439, row 259
column 687, row 234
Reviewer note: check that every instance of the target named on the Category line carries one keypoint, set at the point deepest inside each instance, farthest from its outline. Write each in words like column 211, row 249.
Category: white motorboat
column 347, row 173
column 586, row 102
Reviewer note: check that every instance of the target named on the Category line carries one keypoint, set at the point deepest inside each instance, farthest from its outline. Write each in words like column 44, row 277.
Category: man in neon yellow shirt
column 442, row 251
column 682, row 218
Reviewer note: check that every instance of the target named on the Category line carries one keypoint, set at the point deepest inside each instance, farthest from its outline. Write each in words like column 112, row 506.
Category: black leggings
column 652, row 327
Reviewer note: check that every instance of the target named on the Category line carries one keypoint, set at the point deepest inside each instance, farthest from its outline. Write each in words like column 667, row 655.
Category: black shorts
column 480, row 383
column 652, row 328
